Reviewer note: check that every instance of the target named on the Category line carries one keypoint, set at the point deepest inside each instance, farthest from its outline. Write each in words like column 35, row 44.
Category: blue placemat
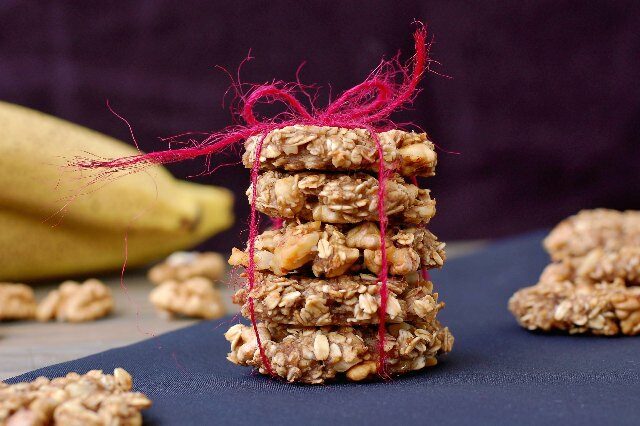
column 497, row 373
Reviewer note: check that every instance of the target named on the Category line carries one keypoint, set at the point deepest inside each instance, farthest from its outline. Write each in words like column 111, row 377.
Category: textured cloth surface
column 497, row 373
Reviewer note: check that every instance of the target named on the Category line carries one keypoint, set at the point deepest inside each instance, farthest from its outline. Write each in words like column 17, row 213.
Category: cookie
column 315, row 355
column 344, row 300
column 597, row 266
column 340, row 198
column 601, row 309
column 607, row 229
column 302, row 148
column 330, row 250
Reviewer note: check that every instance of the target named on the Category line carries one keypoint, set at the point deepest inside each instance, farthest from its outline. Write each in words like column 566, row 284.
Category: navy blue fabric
column 497, row 373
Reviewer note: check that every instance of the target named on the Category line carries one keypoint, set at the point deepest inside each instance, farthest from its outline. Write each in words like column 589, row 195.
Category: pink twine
column 383, row 175
column 389, row 88
column 251, row 269
column 277, row 222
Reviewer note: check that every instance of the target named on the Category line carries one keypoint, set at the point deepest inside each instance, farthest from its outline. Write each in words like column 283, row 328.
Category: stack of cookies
column 316, row 292
column 593, row 284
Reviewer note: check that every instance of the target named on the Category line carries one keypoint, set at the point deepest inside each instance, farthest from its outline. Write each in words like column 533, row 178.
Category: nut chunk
column 340, row 198
column 194, row 298
column 181, row 266
column 301, row 147
column 75, row 302
column 17, row 302
column 315, row 355
column 89, row 399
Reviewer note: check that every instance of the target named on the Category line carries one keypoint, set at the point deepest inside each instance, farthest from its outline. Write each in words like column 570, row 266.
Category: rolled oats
column 340, row 198
column 351, row 350
column 333, row 250
column 93, row 398
column 17, row 302
column 193, row 298
column 181, row 266
column 301, row 148
column 75, row 302
column 344, row 300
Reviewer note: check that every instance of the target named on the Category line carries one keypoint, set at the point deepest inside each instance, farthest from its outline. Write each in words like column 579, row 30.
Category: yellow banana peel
column 58, row 222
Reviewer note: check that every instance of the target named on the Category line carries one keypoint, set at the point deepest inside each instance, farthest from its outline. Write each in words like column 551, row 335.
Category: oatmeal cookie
column 331, row 250
column 302, row 147
column 607, row 229
column 602, row 309
column 596, row 266
column 340, row 198
column 315, row 355
column 344, row 300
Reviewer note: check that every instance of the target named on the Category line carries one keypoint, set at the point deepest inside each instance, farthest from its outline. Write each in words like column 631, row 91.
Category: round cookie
column 344, row 300
column 598, row 266
column 602, row 309
column 316, row 355
column 607, row 229
column 332, row 250
column 302, row 147
column 340, row 198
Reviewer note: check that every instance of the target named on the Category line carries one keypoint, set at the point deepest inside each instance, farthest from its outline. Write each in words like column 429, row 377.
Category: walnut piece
column 343, row 300
column 17, row 302
column 75, row 302
column 340, row 198
column 602, row 309
column 302, row 147
column 193, row 298
column 607, row 229
column 314, row 355
column 92, row 399
column 331, row 253
column 181, row 266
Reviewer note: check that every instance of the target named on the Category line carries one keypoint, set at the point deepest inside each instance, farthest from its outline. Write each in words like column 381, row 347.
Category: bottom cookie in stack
column 316, row 354
column 315, row 329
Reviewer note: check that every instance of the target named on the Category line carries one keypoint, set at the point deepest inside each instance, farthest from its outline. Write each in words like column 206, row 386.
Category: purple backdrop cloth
column 497, row 373
column 544, row 104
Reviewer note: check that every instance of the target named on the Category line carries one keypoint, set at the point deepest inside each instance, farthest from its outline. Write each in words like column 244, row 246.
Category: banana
column 56, row 221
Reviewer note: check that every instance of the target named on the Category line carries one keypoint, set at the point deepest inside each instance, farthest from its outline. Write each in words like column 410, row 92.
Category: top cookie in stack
column 299, row 148
column 317, row 291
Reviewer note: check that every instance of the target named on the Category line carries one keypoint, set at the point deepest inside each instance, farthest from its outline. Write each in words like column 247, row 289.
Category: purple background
column 544, row 104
